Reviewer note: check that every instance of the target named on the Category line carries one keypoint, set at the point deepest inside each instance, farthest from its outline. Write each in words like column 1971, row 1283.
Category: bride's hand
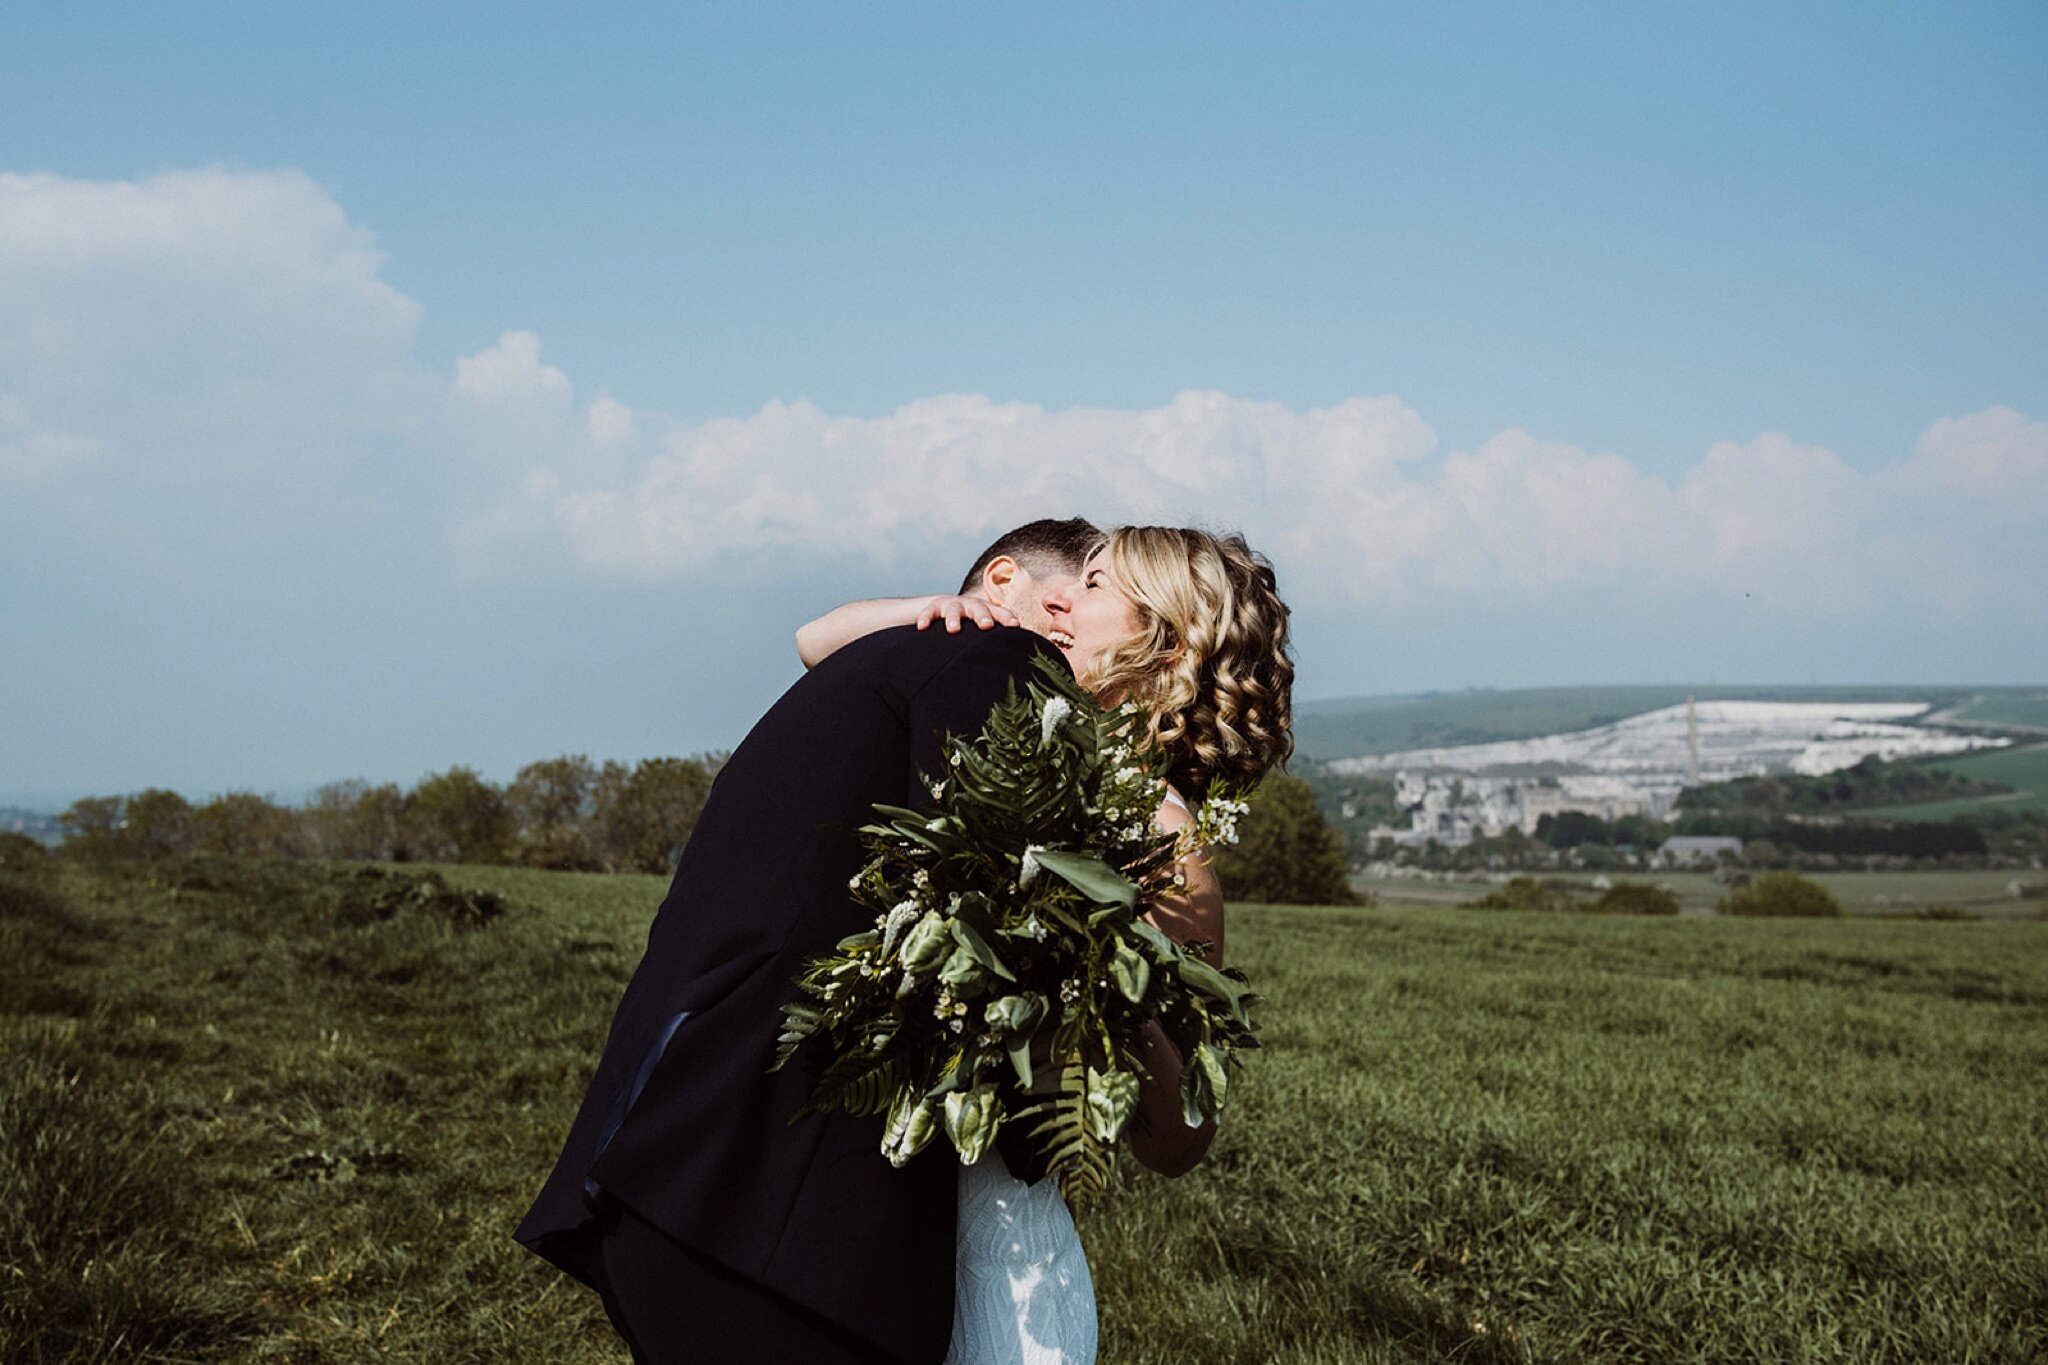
column 954, row 610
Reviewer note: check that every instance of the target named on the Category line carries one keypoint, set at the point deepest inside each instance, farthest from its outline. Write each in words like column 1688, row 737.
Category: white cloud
column 1354, row 501
column 511, row 373
column 190, row 280
column 1996, row 455
column 194, row 328
column 1771, row 498
column 214, row 329
column 1528, row 515
column 792, row 477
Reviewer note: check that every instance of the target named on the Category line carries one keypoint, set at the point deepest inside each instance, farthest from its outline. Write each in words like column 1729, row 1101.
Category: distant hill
column 1348, row 727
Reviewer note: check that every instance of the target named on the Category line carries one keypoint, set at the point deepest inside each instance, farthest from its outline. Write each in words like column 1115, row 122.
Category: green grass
column 2027, row 711
column 252, row 1123
column 2024, row 769
column 1984, row 892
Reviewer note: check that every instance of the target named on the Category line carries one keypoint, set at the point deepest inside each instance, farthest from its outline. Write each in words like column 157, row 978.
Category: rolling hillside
column 1348, row 727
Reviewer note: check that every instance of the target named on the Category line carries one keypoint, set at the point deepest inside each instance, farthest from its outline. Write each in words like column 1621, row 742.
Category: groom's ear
column 998, row 576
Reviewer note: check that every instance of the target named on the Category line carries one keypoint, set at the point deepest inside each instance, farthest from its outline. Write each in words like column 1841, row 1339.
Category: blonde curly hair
column 1210, row 664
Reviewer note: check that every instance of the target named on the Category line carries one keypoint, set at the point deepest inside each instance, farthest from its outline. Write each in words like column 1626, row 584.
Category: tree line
column 1869, row 785
column 569, row 814
column 564, row 813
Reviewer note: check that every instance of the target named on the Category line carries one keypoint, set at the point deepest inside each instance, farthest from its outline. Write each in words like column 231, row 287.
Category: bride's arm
column 841, row 626
column 1161, row 1139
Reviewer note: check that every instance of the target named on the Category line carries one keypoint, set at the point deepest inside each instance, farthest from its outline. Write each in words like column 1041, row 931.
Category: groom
column 713, row 1226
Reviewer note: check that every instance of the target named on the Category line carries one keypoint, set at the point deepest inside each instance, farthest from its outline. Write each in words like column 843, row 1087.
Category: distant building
column 1539, row 800
column 1691, row 850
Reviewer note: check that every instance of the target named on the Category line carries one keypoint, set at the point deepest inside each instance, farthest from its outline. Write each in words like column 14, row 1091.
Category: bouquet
column 1009, row 977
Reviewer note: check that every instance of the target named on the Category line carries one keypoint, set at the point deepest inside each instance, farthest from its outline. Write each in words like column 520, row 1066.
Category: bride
column 1188, row 626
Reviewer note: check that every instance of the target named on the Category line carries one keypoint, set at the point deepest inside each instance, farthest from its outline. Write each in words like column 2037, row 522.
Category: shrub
column 1932, row 912
column 1526, row 893
column 19, row 853
column 1782, row 894
column 1635, row 898
column 1286, row 852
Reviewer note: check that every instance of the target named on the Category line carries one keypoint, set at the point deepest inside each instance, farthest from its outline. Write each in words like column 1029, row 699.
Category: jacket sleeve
column 957, row 699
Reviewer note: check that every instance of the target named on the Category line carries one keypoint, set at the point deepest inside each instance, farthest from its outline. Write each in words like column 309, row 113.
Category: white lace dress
column 1021, row 1294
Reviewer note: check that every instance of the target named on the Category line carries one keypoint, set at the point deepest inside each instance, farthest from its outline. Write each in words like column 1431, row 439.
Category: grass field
column 2022, row 710
column 244, row 1120
column 2023, row 769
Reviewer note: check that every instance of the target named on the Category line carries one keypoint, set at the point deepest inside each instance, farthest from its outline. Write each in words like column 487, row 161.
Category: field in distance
column 2025, row 770
column 1985, row 893
column 246, row 1119
column 1353, row 726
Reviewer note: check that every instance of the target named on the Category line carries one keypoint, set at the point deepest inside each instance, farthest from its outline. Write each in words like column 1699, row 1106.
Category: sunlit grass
column 246, row 1118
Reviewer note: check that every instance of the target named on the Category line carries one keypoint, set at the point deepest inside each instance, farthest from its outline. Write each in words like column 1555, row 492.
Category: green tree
column 1782, row 894
column 156, row 824
column 19, row 853
column 1286, row 852
column 92, row 826
column 1527, row 893
column 1639, row 831
column 456, row 816
column 552, row 804
column 353, row 819
column 245, row 823
column 644, row 817
column 1763, row 853
column 1570, row 828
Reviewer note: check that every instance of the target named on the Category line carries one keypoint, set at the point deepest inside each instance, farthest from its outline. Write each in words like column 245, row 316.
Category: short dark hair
column 1045, row 544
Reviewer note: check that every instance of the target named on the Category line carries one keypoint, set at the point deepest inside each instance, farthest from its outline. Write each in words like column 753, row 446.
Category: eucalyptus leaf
column 967, row 937
column 1209, row 981
column 1092, row 877
column 1210, row 1060
column 1166, row 947
column 1018, row 1050
column 1196, row 1100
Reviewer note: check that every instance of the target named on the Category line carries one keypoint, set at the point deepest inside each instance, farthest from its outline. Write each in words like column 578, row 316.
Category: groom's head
column 1023, row 564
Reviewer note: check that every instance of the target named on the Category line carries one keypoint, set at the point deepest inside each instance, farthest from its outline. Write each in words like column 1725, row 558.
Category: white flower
column 1027, row 870
column 1056, row 710
column 901, row 916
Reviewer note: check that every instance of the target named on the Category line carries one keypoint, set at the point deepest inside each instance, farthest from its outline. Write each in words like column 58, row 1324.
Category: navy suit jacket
column 683, row 1122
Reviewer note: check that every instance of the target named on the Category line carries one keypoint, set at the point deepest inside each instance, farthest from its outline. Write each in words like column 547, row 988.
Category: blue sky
column 389, row 387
